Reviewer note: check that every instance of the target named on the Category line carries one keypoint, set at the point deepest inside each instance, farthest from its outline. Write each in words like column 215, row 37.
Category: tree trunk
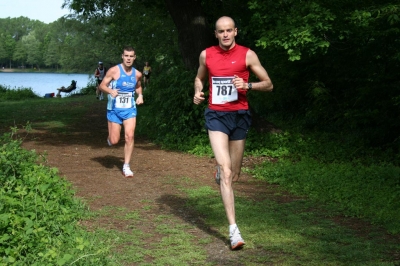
column 194, row 35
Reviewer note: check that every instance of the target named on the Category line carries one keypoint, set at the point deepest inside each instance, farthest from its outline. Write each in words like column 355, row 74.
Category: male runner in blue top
column 121, row 82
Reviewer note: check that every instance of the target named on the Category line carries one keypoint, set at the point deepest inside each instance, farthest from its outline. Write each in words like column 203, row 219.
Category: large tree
column 9, row 46
column 193, row 31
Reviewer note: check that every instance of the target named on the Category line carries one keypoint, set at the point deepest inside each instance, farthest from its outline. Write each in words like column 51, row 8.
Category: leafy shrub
column 8, row 94
column 171, row 118
column 90, row 88
column 38, row 213
column 273, row 145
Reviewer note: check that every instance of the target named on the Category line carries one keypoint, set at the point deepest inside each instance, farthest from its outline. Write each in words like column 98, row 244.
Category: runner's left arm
column 255, row 66
column 139, row 90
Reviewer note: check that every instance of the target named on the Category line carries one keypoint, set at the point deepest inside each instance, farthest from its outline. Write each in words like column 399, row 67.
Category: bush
column 8, row 94
column 90, row 88
column 39, row 214
column 171, row 118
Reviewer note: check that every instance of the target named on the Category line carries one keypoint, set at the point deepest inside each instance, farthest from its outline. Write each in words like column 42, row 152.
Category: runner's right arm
column 200, row 79
column 110, row 75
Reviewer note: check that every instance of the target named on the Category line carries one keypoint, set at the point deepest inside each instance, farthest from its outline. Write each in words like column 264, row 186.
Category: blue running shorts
column 118, row 116
column 235, row 124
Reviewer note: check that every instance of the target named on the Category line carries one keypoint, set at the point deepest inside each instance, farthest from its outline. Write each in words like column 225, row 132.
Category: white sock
column 232, row 228
column 126, row 165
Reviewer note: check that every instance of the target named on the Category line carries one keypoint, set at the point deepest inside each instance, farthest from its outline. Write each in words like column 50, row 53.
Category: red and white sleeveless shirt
column 222, row 66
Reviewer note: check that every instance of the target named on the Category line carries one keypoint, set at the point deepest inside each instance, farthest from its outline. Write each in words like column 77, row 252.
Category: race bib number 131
column 123, row 100
column 223, row 91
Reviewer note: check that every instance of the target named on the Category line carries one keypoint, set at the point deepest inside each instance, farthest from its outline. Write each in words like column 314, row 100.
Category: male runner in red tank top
column 228, row 118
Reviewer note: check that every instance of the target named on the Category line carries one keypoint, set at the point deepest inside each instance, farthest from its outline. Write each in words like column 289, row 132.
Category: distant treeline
column 66, row 45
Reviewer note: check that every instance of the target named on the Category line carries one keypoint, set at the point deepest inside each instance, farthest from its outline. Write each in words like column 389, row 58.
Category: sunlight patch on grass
column 133, row 215
column 173, row 243
column 177, row 247
column 48, row 124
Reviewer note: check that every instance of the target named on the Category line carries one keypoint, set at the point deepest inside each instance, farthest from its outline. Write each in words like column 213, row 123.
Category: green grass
column 293, row 233
column 51, row 114
column 169, row 243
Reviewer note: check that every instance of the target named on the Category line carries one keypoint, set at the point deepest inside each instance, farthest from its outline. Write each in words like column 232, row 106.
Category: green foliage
column 271, row 145
column 39, row 214
column 70, row 44
column 321, row 146
column 303, row 28
column 200, row 145
column 342, row 78
column 90, row 88
column 172, row 119
column 152, row 34
column 9, row 94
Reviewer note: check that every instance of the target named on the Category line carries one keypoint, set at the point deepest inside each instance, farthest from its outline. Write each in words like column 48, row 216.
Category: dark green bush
column 171, row 118
column 8, row 94
column 90, row 88
column 38, row 213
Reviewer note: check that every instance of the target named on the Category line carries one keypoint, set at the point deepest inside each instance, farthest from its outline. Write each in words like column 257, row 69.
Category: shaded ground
column 84, row 158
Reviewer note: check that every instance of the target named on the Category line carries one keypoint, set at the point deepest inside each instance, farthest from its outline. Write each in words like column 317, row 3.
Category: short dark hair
column 128, row 48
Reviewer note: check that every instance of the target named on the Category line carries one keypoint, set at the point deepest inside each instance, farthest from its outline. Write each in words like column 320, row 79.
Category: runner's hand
column 198, row 98
column 139, row 99
column 238, row 82
column 114, row 93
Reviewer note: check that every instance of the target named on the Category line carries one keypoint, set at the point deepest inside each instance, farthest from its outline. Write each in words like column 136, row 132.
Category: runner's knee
column 113, row 140
column 226, row 175
column 129, row 138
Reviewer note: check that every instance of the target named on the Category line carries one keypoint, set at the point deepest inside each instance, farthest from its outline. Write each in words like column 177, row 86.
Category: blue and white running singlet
column 127, row 86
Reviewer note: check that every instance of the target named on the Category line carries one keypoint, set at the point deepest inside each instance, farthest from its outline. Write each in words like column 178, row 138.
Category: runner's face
column 225, row 32
column 128, row 57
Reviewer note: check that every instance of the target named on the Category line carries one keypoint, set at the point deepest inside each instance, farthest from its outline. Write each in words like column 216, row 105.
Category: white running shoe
column 236, row 239
column 108, row 142
column 127, row 172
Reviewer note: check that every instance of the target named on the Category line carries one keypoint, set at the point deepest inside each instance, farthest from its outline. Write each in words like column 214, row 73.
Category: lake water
column 42, row 83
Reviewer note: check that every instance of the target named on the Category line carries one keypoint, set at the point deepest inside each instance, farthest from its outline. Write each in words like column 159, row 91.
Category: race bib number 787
column 223, row 91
